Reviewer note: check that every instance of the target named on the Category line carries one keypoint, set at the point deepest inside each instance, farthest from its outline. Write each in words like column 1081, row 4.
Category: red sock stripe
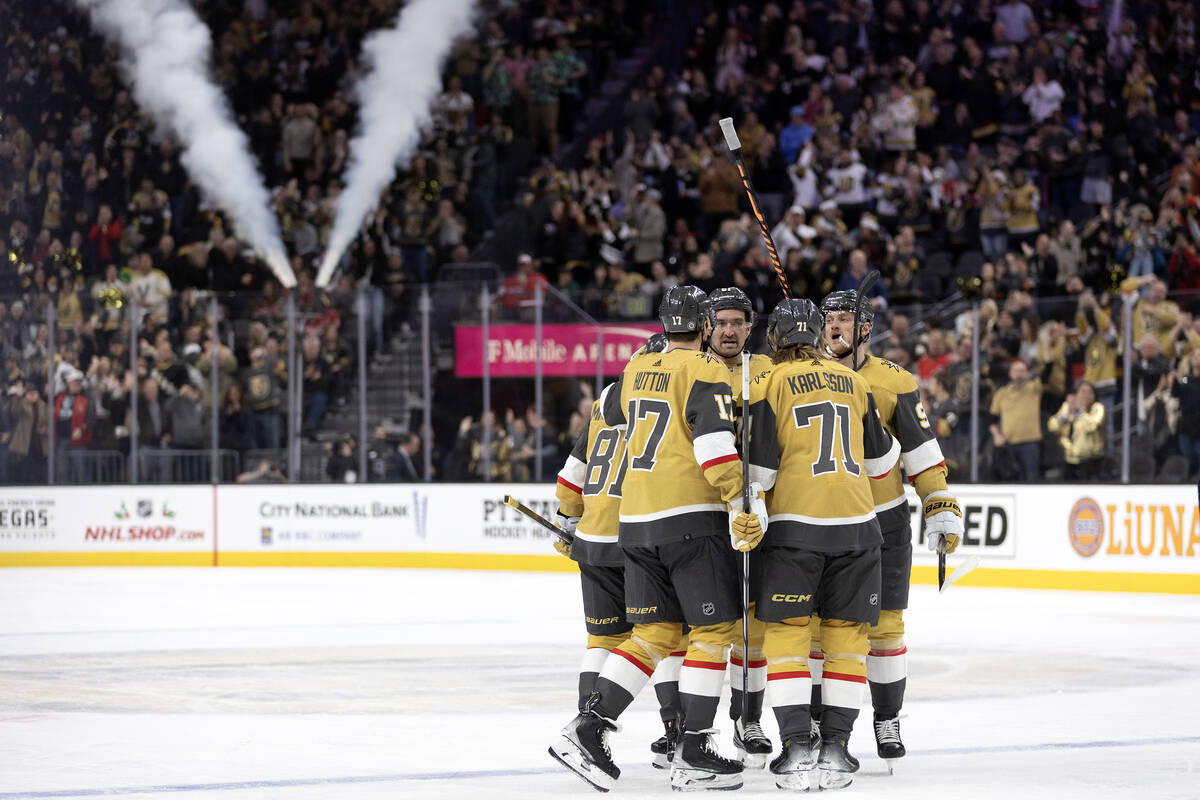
column 712, row 462
column 818, row 656
column 779, row 676
column 899, row 651
column 687, row 662
column 569, row 485
column 679, row 653
column 633, row 660
column 841, row 676
column 754, row 663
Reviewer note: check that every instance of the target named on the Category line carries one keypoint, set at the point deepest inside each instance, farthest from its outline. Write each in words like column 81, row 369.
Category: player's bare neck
column 693, row 345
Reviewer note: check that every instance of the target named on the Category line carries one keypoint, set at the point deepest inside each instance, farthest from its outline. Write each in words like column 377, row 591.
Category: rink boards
column 1089, row 537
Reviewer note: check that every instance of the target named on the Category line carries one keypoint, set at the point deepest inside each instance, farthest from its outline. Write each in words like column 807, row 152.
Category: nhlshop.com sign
column 106, row 519
column 567, row 349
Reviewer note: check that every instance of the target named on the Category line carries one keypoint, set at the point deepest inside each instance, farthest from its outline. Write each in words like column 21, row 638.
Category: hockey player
column 731, row 319
column 587, row 508
column 816, row 442
column 683, row 473
column 899, row 403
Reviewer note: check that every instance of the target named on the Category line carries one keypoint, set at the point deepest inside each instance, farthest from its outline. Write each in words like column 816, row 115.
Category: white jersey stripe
column 878, row 467
column 673, row 512
column 899, row 501
column 763, row 476
column 919, row 459
column 821, row 520
column 711, row 446
column 574, row 471
column 600, row 538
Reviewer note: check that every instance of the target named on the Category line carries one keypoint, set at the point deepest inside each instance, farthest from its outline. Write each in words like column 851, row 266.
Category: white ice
column 350, row 684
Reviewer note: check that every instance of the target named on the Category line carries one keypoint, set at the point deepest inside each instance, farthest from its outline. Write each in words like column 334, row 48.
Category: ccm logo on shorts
column 791, row 598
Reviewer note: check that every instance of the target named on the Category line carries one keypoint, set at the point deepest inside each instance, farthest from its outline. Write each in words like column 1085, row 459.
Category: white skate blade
column 891, row 762
column 797, row 781
column 832, row 779
column 660, row 761
column 696, row 780
column 751, row 760
column 565, row 752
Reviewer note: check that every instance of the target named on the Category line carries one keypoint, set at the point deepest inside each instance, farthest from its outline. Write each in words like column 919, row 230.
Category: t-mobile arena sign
column 567, row 349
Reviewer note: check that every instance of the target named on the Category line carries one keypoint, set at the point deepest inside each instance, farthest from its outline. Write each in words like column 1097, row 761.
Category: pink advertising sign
column 567, row 349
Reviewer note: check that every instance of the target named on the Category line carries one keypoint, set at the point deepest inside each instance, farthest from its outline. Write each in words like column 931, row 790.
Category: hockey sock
column 666, row 686
column 589, row 670
column 887, row 698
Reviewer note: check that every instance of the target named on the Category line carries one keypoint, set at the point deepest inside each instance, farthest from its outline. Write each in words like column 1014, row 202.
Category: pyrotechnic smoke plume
column 404, row 76
column 165, row 51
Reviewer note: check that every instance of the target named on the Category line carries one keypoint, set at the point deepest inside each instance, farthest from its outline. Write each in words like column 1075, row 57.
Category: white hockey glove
column 568, row 524
column 943, row 522
column 746, row 529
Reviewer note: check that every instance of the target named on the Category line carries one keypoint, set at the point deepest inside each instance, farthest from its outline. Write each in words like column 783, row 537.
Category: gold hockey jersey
column 899, row 403
column 682, row 466
column 817, row 445
column 589, row 488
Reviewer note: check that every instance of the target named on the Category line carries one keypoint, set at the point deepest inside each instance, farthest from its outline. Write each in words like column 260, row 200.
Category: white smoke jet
column 403, row 78
column 165, row 51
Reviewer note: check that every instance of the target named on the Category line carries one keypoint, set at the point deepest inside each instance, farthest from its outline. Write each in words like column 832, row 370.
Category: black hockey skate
column 663, row 747
column 836, row 764
column 583, row 749
column 795, row 768
column 887, row 739
column 698, row 766
column 752, row 744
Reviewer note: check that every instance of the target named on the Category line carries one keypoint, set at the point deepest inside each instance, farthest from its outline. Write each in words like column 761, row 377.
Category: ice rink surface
column 351, row 684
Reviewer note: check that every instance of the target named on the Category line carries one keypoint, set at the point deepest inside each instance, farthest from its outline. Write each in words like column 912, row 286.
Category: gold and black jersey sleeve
column 681, row 463
column 817, row 444
column 899, row 402
column 589, row 487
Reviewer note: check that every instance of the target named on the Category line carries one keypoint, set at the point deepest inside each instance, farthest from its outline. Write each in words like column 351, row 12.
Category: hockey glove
column 746, row 529
column 567, row 524
column 943, row 522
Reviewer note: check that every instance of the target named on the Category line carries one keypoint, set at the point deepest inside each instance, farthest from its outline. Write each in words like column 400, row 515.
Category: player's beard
column 726, row 349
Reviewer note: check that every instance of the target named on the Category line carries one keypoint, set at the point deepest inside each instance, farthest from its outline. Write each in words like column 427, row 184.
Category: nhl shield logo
column 709, row 609
column 873, row 599
column 145, row 508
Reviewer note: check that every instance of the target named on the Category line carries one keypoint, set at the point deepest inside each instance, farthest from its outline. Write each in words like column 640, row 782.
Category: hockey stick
column 513, row 502
column 969, row 564
column 745, row 556
column 941, row 551
column 735, row 147
column 868, row 283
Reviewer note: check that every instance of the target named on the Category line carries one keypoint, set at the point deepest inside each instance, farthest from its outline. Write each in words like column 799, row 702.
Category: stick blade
column 962, row 570
column 731, row 137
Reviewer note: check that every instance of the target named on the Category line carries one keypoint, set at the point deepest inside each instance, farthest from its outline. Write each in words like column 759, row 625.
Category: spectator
column 342, row 466
column 263, row 396
column 72, row 427
column 263, row 472
column 1080, row 428
column 31, row 423
column 1150, row 370
column 187, row 429
column 1185, row 387
column 1017, row 434
column 237, row 422
column 518, row 290
column 150, row 288
column 317, row 383
column 402, row 464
